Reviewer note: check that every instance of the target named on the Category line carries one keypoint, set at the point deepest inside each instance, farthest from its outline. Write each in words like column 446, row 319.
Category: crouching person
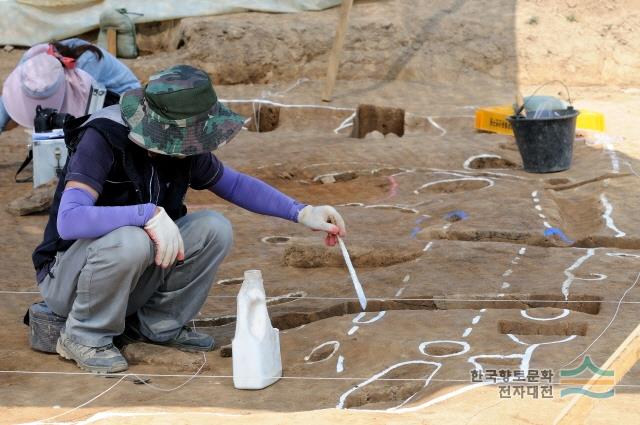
column 120, row 256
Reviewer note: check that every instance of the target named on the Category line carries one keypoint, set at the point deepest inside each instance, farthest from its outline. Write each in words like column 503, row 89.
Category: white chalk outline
column 608, row 209
column 459, row 391
column 599, row 276
column 465, row 347
column 525, row 357
column 378, row 375
column 340, row 364
column 377, row 317
column 336, row 347
column 392, row 207
column 622, row 254
column 566, row 285
column 615, row 162
column 485, row 179
column 467, row 163
column 565, row 313
column 265, row 240
column 221, row 281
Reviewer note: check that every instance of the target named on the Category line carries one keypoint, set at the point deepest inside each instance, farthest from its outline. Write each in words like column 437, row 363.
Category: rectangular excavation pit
column 377, row 118
column 538, row 328
column 265, row 118
column 589, row 304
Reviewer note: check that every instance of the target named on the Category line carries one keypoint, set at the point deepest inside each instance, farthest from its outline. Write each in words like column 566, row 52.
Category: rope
column 509, row 300
column 615, row 314
column 309, row 378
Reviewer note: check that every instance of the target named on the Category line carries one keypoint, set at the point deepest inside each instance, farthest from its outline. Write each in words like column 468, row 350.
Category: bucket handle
column 521, row 108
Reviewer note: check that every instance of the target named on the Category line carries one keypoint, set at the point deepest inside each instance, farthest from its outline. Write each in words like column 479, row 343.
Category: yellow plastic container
column 494, row 119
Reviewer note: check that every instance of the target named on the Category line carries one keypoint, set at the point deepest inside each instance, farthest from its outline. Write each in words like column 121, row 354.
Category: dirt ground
column 468, row 262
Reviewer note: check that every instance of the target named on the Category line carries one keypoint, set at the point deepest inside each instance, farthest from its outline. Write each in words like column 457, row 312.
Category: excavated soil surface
column 468, row 262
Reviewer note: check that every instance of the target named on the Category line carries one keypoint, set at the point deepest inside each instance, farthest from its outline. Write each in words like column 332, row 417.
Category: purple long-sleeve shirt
column 80, row 218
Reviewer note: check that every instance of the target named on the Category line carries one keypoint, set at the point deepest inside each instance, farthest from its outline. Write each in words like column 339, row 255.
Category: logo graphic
column 567, row 377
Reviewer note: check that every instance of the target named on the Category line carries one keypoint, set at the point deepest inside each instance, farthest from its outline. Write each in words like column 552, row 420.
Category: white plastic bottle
column 256, row 344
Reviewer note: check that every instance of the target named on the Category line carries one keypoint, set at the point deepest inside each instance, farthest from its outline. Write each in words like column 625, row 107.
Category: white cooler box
column 49, row 156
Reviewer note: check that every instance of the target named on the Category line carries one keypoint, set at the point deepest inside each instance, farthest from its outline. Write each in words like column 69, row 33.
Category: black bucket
column 546, row 144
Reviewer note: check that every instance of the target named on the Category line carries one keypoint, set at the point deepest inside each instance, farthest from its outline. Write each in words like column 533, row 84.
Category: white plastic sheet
column 25, row 25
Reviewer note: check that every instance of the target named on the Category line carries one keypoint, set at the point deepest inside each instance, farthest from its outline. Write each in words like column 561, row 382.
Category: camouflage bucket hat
column 178, row 113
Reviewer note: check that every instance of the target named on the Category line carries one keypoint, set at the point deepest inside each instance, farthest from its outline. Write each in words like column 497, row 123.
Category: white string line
column 83, row 404
column 608, row 326
column 523, row 300
column 348, row 122
column 511, row 300
column 300, row 378
column 204, row 362
column 269, row 93
column 631, row 168
column 256, row 116
column 436, row 125
column 284, row 105
column 191, row 377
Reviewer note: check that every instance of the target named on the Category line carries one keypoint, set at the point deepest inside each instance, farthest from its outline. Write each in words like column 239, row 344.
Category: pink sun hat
column 42, row 80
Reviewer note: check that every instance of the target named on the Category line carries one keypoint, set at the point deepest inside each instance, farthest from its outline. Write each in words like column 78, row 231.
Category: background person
column 63, row 84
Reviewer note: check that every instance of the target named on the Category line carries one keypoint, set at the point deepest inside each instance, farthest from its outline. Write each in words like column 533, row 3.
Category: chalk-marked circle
column 565, row 313
column 598, row 276
column 622, row 254
column 336, row 346
column 467, row 163
column 490, row 182
column 230, row 281
column 358, row 318
column 276, row 240
column 465, row 347
column 393, row 207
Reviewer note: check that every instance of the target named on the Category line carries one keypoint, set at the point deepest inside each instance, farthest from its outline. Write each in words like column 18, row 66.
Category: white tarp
column 23, row 24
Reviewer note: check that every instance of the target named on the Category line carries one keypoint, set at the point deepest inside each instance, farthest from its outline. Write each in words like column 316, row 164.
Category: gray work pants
column 97, row 283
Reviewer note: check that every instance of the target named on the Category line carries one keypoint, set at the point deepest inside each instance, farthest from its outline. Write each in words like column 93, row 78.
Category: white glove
column 324, row 218
column 166, row 237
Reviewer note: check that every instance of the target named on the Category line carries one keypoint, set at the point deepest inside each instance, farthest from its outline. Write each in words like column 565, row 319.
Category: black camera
column 48, row 119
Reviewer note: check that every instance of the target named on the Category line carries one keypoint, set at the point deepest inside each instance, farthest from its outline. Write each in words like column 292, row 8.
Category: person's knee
column 127, row 246
column 216, row 229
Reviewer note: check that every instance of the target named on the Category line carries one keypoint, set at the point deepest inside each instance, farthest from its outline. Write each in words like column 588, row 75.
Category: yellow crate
column 494, row 119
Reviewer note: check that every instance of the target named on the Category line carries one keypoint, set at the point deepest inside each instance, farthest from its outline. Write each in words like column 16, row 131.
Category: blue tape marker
column 456, row 215
column 421, row 219
column 416, row 230
column 555, row 231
